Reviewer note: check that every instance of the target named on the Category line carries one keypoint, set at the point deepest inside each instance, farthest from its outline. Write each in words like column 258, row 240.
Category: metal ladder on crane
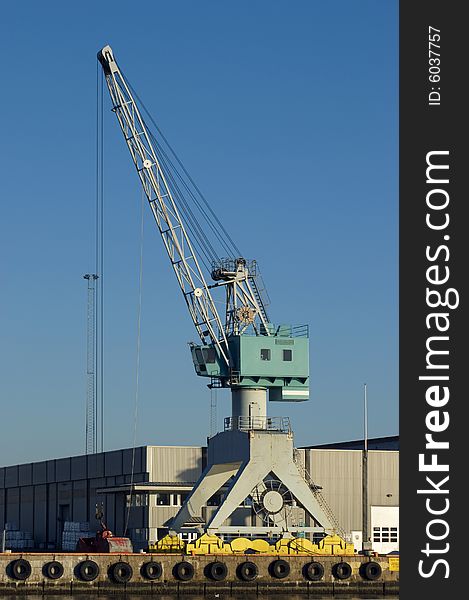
column 316, row 489
column 258, row 297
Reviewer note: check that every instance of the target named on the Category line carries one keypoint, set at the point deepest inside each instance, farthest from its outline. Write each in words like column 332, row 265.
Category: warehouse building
column 141, row 489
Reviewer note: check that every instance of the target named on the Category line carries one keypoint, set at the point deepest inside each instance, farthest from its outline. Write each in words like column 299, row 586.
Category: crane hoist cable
column 171, row 168
column 200, row 239
column 207, row 213
column 191, row 233
column 137, row 360
column 98, row 409
column 174, row 175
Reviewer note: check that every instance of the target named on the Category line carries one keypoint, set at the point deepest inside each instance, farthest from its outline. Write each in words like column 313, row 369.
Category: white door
column 385, row 528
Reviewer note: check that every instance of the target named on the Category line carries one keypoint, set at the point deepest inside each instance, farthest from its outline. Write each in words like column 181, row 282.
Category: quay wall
column 296, row 581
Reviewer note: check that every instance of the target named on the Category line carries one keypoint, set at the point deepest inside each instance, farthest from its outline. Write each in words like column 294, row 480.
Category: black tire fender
column 342, row 570
column 88, row 570
column 121, row 572
column 314, row 571
column 184, row 571
column 217, row 571
column 371, row 570
column 20, row 569
column 53, row 569
column 279, row 568
column 248, row 571
column 151, row 570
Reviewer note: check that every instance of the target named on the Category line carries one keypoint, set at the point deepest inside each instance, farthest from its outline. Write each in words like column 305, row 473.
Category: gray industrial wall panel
column 137, row 517
column 120, row 512
column 174, row 463
column 113, row 463
column 80, row 500
column 136, row 478
column 26, row 508
column 2, row 477
column 160, row 514
column 240, row 517
column 40, row 514
column 78, row 468
column 95, row 465
column 11, row 477
column 383, row 474
column 110, row 507
column 52, row 513
column 64, row 500
column 25, row 474
column 62, row 469
column 109, row 514
column 339, row 472
column 39, row 473
column 2, row 508
column 93, row 498
column 50, row 465
column 136, row 464
column 13, row 506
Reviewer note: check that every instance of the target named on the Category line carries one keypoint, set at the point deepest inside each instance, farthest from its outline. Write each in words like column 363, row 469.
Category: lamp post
column 366, row 543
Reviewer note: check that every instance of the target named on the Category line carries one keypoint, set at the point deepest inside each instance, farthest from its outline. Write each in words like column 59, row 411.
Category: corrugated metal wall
column 182, row 464
column 339, row 472
column 37, row 497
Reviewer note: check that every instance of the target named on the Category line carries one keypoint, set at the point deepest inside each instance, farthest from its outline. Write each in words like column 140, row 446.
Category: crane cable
column 215, row 224
column 137, row 366
column 98, row 402
column 101, row 356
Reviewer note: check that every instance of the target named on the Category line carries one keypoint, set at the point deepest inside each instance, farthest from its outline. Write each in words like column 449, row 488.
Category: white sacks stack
column 73, row 531
column 16, row 539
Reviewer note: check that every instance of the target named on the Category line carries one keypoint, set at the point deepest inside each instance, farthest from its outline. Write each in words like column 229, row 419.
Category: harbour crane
column 243, row 351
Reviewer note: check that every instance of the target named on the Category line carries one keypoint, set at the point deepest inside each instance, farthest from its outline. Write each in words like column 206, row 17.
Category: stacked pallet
column 73, row 531
column 15, row 539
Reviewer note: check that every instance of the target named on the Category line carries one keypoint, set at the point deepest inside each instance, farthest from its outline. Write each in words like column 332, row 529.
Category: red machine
column 104, row 541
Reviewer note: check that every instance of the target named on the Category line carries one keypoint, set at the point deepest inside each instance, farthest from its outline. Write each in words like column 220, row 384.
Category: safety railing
column 281, row 424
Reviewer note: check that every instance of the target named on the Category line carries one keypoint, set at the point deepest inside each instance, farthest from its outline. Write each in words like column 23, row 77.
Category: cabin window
column 265, row 354
column 287, row 355
column 209, row 355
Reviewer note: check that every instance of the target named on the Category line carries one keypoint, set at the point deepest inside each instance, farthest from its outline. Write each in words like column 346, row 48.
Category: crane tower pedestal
column 254, row 457
column 248, row 405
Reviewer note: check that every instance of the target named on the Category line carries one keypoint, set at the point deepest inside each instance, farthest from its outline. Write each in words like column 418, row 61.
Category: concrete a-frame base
column 248, row 457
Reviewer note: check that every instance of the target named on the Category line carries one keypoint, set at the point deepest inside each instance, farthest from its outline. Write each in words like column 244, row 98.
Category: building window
column 385, row 535
column 265, row 354
column 137, row 500
column 287, row 355
column 163, row 499
column 188, row 536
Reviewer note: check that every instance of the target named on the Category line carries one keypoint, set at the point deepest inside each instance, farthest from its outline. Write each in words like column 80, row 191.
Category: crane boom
column 244, row 351
column 170, row 224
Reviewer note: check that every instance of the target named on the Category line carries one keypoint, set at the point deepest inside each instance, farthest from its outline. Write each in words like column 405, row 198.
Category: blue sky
column 286, row 115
